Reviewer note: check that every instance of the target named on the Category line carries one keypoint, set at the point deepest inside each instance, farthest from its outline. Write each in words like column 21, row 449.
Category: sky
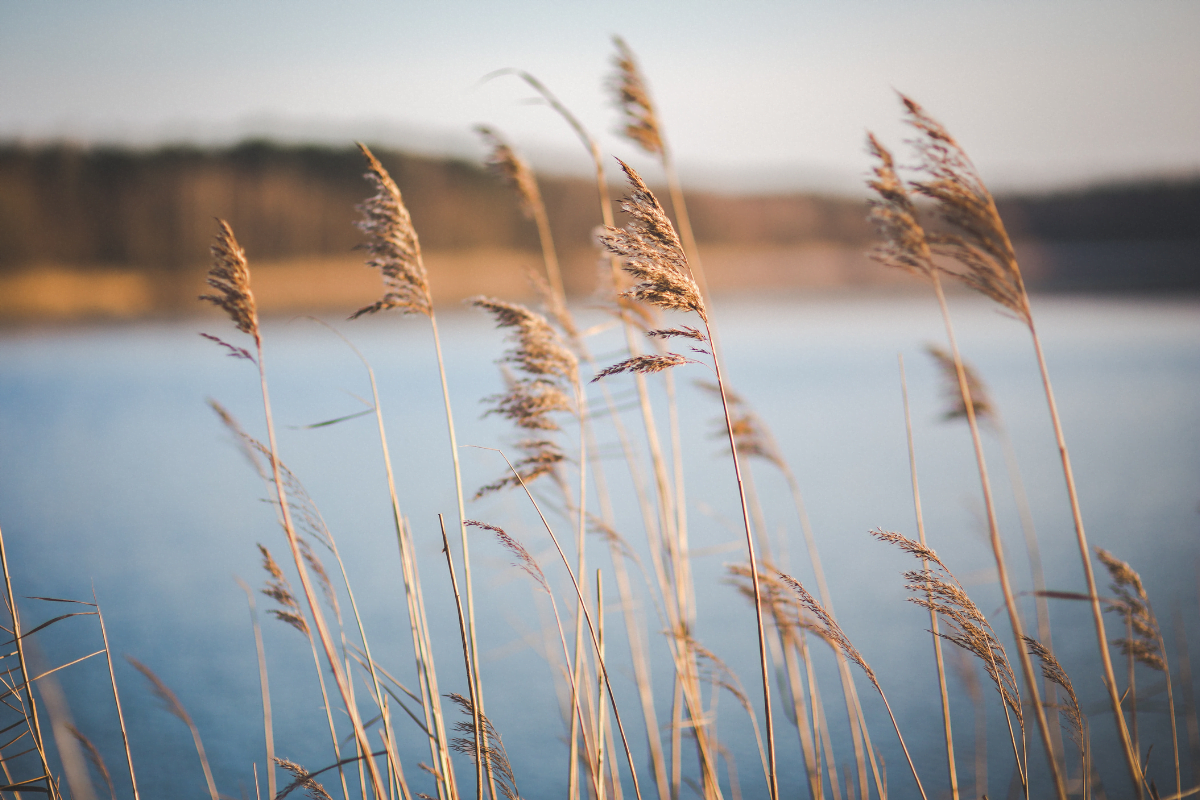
column 759, row 96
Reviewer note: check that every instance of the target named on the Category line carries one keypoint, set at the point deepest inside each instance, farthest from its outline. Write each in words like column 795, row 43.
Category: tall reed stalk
column 981, row 245
column 906, row 247
column 652, row 254
column 230, row 277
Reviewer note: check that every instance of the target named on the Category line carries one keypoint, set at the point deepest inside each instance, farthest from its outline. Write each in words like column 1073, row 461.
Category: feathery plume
column 303, row 780
column 633, row 99
column 644, row 365
column 955, row 407
column 829, row 627
column 392, row 245
column 894, row 214
column 504, row 162
column 652, row 253
column 980, row 243
column 538, row 349
column 230, row 276
column 524, row 560
column 493, row 745
column 1133, row 604
column 280, row 591
column 936, row 589
column 1054, row 673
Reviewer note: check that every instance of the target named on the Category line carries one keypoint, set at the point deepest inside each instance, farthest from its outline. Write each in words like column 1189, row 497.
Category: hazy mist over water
column 116, row 475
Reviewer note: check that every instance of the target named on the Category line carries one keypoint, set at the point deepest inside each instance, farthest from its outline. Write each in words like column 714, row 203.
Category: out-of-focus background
column 127, row 126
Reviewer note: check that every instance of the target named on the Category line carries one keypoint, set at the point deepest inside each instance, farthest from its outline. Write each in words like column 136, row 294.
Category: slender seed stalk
column 116, row 697
column 773, row 784
column 268, row 730
column 462, row 629
column 933, row 617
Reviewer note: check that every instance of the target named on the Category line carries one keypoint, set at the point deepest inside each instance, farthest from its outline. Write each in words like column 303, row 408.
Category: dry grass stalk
column 476, row 711
column 226, row 252
column 264, row 686
column 650, row 251
column 947, row 732
column 116, row 697
column 834, row 633
column 981, row 245
column 168, row 698
column 395, row 250
column 986, row 411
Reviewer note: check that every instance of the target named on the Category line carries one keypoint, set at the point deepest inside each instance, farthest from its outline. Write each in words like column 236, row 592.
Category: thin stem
column 612, row 698
column 116, row 697
column 1110, row 679
column 268, row 730
column 474, row 676
column 933, row 617
column 998, row 551
column 306, row 583
column 462, row 629
column 773, row 784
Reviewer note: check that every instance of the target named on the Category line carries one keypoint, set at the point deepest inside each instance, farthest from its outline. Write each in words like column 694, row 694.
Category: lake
column 116, row 477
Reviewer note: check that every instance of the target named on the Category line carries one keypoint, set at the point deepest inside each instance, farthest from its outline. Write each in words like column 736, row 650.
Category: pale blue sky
column 764, row 95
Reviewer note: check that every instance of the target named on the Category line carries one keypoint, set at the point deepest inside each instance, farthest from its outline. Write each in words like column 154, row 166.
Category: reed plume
column 652, row 253
column 392, row 245
column 230, row 276
column 277, row 589
column 302, row 780
column 1054, row 673
column 633, row 98
column 171, row 703
column 956, row 408
column 493, row 745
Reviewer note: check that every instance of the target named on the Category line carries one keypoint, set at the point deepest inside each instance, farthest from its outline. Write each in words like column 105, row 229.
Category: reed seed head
column 491, row 745
column 829, row 626
column 894, row 214
column 633, row 99
column 524, row 560
column 1054, row 673
column 644, row 365
column 230, row 276
column 1133, row 604
column 504, row 162
column 956, row 407
column 542, row 457
column 302, row 780
column 392, row 245
column 980, row 242
column 652, row 253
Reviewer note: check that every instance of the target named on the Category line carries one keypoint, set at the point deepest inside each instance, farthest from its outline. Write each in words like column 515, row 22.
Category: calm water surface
column 117, row 477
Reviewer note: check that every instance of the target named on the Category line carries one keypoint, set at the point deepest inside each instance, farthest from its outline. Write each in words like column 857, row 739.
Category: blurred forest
column 107, row 231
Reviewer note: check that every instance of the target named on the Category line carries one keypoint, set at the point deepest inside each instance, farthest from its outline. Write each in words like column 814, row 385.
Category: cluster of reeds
column 561, row 401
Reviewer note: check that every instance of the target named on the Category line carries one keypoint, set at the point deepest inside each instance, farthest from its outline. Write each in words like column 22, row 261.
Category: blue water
column 116, row 477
